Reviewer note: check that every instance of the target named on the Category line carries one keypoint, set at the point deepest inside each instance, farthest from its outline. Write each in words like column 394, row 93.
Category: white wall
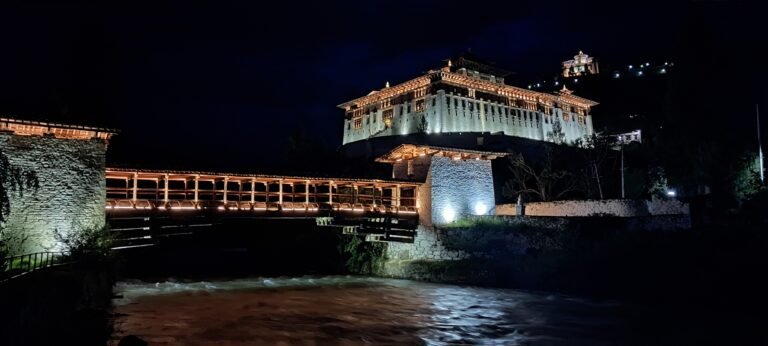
column 454, row 114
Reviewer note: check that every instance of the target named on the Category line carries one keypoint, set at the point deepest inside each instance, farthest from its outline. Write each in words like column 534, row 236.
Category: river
column 359, row 311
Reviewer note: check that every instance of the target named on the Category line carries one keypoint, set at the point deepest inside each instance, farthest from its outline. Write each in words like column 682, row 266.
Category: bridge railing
column 190, row 190
column 121, row 204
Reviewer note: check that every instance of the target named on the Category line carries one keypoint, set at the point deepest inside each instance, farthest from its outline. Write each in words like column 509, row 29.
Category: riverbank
column 708, row 277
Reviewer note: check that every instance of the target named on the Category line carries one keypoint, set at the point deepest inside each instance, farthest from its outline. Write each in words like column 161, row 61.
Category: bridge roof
column 38, row 128
column 409, row 151
column 183, row 175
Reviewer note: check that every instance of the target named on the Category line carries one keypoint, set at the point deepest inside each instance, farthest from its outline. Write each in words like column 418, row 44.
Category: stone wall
column 72, row 192
column 428, row 245
column 436, row 251
column 460, row 188
column 608, row 207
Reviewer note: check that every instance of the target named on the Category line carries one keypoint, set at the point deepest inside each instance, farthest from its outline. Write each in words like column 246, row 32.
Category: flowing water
column 359, row 311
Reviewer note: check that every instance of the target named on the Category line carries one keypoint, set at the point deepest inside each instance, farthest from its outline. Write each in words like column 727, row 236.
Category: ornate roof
column 410, row 151
column 469, row 82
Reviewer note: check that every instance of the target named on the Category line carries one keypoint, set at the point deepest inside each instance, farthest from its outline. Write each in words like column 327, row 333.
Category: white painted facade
column 450, row 113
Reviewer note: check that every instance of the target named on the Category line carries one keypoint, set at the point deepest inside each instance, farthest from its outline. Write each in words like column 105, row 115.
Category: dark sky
column 223, row 86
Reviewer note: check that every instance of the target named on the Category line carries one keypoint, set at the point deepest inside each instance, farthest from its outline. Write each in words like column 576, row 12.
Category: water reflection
column 352, row 311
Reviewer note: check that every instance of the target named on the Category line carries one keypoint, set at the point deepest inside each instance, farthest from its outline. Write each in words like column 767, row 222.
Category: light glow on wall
column 449, row 214
column 480, row 208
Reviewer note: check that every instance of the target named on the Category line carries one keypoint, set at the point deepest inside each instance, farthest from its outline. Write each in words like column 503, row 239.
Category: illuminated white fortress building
column 467, row 96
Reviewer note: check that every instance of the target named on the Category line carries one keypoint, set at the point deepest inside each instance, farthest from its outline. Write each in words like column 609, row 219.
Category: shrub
column 85, row 242
column 363, row 257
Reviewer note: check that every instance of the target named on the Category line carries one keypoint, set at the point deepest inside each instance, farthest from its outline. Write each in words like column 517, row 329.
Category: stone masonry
column 71, row 195
column 608, row 207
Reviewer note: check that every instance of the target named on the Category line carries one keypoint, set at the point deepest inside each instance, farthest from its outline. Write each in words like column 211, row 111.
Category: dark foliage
column 13, row 179
column 366, row 258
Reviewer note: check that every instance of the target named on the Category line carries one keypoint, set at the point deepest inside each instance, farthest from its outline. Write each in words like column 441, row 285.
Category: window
column 358, row 121
column 387, row 117
column 419, row 105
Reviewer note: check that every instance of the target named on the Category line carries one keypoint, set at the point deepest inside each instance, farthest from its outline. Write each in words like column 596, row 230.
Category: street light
column 623, row 139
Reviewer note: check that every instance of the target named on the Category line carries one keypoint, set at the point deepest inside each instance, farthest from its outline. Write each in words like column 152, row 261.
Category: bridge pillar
column 165, row 188
column 253, row 190
column 135, row 186
column 197, row 187
column 226, row 181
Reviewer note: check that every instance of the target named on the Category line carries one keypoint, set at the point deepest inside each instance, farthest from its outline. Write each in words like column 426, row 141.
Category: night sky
column 223, row 87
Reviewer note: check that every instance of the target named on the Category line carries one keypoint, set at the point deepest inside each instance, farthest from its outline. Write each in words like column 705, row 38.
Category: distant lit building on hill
column 632, row 96
column 467, row 96
column 582, row 64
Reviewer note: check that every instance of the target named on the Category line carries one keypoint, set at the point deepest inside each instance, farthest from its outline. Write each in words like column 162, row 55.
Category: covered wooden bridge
column 129, row 189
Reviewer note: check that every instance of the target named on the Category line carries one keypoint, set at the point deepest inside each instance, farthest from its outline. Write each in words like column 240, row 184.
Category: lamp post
column 623, row 139
column 622, row 170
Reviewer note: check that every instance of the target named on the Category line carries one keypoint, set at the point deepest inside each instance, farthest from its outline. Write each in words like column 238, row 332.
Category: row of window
column 419, row 95
column 502, row 111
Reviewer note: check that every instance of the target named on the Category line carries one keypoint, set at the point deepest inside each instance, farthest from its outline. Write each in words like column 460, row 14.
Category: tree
column 543, row 180
column 557, row 135
column 657, row 181
column 423, row 126
column 595, row 152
